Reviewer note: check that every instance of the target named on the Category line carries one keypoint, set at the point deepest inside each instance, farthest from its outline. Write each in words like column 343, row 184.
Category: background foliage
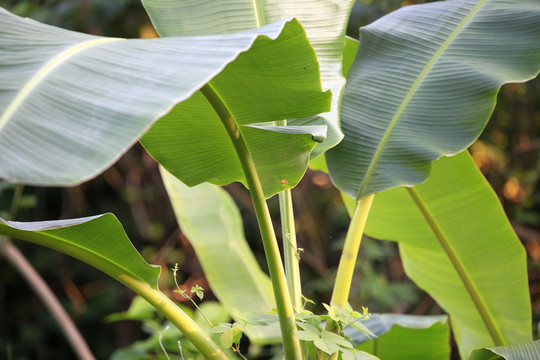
column 507, row 153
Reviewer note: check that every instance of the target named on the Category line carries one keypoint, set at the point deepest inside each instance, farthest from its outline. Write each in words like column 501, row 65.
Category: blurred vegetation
column 507, row 153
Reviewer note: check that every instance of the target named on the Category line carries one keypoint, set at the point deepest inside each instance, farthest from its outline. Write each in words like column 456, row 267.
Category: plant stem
column 156, row 298
column 202, row 312
column 183, row 293
column 42, row 290
column 291, row 344
column 291, row 254
column 290, row 249
column 162, row 303
column 347, row 263
column 180, row 319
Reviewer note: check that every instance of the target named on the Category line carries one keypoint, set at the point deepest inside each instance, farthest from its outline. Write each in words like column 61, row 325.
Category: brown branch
column 72, row 334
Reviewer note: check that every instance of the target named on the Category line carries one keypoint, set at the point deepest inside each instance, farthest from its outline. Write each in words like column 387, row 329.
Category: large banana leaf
column 407, row 337
column 260, row 86
column 210, row 219
column 101, row 242
column 424, row 84
column 325, row 22
column 98, row 240
column 523, row 351
column 457, row 244
column 70, row 103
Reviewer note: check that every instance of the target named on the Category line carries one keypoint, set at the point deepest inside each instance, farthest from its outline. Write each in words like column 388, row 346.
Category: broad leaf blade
column 457, row 245
column 211, row 221
column 99, row 241
column 71, row 104
column 424, row 84
column 269, row 83
column 523, row 351
column 325, row 23
column 380, row 324
column 410, row 339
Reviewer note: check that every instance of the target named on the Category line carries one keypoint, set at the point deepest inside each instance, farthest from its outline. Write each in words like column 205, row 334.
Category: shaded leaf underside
column 424, row 84
column 522, row 351
column 71, row 103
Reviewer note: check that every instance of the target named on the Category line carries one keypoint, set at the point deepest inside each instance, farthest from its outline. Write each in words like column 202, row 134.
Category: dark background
column 507, row 153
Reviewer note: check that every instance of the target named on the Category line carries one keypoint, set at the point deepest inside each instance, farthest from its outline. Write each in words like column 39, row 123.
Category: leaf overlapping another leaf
column 324, row 21
column 269, row 83
column 71, row 103
column 424, row 84
column 523, row 351
column 99, row 241
column 456, row 244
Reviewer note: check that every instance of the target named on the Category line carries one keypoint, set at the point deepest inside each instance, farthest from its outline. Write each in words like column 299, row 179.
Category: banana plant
column 250, row 91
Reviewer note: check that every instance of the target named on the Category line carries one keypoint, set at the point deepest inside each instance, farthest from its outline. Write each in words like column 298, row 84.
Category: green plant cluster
column 257, row 92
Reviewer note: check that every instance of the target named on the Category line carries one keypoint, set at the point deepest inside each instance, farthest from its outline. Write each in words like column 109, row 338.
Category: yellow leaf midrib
column 411, row 92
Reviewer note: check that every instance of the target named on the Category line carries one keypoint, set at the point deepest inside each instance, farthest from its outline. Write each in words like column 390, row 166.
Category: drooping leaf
column 457, row 244
column 423, row 85
column 325, row 23
column 71, row 103
column 99, row 241
column 523, row 351
column 211, row 221
column 409, row 337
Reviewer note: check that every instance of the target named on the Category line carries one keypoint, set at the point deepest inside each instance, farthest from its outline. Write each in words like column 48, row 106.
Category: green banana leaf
column 457, row 244
column 423, row 85
column 523, row 351
column 71, row 103
column 99, row 241
column 211, row 221
column 258, row 88
column 406, row 337
column 380, row 324
column 325, row 22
